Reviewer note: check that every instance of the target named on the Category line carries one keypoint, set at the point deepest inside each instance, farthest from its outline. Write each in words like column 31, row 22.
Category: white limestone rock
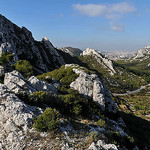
column 142, row 54
column 40, row 85
column 91, row 86
column 16, row 118
column 93, row 146
column 101, row 145
column 17, row 83
column 103, row 61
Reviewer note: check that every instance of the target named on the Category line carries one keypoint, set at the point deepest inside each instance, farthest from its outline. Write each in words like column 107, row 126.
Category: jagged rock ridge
column 72, row 51
column 41, row 54
column 106, row 63
column 142, row 54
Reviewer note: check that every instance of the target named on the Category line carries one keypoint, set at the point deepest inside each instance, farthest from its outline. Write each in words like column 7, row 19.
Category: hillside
column 139, row 64
column 75, row 52
column 48, row 104
column 117, row 78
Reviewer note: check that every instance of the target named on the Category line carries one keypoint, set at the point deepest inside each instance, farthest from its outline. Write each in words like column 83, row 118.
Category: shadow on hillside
column 139, row 128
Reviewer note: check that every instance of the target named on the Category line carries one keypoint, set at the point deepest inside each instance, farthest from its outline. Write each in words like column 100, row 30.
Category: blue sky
column 98, row 24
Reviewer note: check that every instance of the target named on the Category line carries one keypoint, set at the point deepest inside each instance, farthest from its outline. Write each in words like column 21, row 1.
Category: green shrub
column 94, row 136
column 139, row 106
column 24, row 67
column 74, row 104
column 48, row 121
column 64, row 75
column 40, row 98
column 101, row 123
column 5, row 58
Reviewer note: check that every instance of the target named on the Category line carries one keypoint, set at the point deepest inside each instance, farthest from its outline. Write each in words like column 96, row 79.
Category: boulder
column 100, row 145
column 92, row 86
column 17, row 83
column 40, row 85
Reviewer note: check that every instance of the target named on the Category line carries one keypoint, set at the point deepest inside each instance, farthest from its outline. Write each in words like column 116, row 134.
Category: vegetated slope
column 120, row 81
column 75, row 52
column 135, row 110
column 80, row 118
column 139, row 64
column 87, row 113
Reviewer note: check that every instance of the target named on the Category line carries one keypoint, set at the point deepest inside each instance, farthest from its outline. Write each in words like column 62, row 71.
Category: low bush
column 24, row 67
column 101, row 123
column 5, row 58
column 94, row 136
column 48, row 121
column 64, row 75
column 41, row 98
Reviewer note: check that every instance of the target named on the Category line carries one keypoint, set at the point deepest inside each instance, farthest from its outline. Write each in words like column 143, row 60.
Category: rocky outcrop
column 17, row 83
column 19, row 41
column 101, row 145
column 72, row 51
column 142, row 54
column 92, row 86
column 106, row 63
column 15, row 118
column 40, row 85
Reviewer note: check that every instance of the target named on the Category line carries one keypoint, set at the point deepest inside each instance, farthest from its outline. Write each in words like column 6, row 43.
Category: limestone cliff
column 105, row 62
column 92, row 86
column 41, row 54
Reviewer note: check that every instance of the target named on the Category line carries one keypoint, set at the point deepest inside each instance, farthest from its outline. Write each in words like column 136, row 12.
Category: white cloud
column 109, row 11
column 116, row 27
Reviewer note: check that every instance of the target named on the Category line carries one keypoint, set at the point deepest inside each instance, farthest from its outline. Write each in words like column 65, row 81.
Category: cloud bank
column 107, row 10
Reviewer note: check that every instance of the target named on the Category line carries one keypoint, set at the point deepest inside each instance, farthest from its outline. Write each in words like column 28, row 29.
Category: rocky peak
column 142, row 54
column 106, row 63
column 19, row 41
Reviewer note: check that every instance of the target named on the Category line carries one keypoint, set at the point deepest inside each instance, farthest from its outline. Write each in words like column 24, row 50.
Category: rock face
column 39, row 85
column 142, row 54
column 103, row 61
column 72, row 51
column 19, row 41
column 91, row 86
column 17, row 83
column 15, row 118
column 101, row 145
